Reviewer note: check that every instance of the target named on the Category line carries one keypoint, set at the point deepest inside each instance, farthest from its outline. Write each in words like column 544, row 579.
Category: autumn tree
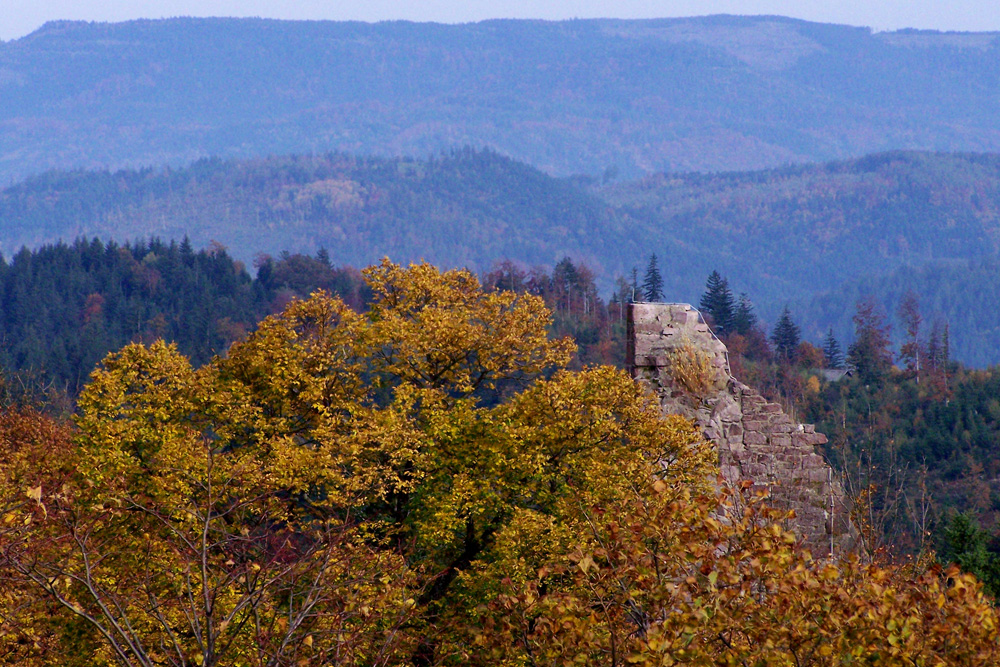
column 318, row 495
column 176, row 540
column 911, row 351
column 870, row 354
column 506, row 275
column 664, row 581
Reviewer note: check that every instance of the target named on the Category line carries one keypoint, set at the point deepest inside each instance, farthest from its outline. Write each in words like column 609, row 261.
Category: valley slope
column 781, row 235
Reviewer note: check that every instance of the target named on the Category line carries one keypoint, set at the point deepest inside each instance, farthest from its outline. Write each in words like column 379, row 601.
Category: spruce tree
column 744, row 319
column 785, row 337
column 717, row 302
column 652, row 284
column 831, row 351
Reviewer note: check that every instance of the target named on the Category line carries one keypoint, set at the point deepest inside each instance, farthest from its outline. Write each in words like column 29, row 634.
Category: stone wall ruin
column 755, row 439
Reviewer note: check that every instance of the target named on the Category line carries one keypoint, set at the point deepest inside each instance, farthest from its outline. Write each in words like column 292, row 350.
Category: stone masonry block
column 782, row 441
column 684, row 317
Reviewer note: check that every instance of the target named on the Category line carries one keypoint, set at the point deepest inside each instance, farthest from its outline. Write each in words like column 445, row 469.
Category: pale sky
column 19, row 17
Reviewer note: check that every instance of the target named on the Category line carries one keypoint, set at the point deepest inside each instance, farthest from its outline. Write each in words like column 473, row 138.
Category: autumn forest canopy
column 422, row 480
column 909, row 411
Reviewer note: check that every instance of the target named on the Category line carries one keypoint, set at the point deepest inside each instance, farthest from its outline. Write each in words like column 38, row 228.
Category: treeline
column 65, row 306
column 957, row 292
column 816, row 226
column 578, row 311
column 463, row 207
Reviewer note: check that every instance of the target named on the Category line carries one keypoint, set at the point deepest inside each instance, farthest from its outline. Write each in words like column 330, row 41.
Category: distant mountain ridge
column 700, row 94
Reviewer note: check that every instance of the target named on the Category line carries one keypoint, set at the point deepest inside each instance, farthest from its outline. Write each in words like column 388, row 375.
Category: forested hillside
column 801, row 229
column 712, row 93
column 880, row 225
column 960, row 293
column 466, row 208
column 64, row 307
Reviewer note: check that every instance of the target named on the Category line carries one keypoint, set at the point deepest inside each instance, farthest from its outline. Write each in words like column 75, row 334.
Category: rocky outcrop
column 672, row 351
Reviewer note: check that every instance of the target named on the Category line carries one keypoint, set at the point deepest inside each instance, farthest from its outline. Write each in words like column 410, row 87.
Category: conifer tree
column 744, row 319
column 785, row 337
column 832, row 353
column 717, row 302
column 652, row 284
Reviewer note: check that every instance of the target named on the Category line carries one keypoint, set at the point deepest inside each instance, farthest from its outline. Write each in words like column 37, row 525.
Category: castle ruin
column 755, row 439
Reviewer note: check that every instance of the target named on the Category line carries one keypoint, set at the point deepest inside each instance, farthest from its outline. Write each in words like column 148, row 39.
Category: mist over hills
column 708, row 94
column 879, row 224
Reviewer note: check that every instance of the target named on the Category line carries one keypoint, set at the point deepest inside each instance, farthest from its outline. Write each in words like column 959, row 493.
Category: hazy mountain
column 716, row 93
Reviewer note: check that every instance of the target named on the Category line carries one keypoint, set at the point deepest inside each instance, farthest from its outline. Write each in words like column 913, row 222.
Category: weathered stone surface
column 781, row 440
column 756, row 440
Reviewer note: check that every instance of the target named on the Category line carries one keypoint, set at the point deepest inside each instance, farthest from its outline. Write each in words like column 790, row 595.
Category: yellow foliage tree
column 422, row 483
column 339, row 488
